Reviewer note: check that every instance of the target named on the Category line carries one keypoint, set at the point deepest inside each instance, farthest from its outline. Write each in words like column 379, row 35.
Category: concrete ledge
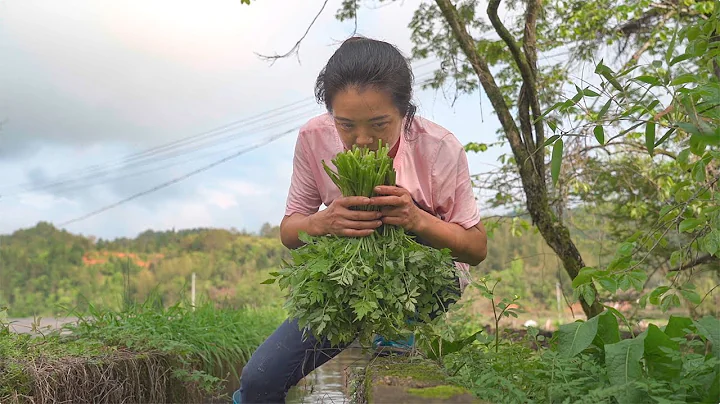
column 404, row 380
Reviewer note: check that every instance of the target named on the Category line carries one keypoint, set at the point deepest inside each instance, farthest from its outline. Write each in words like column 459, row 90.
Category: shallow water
column 328, row 383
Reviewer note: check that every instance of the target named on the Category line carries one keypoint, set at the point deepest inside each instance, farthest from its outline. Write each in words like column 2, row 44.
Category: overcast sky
column 88, row 85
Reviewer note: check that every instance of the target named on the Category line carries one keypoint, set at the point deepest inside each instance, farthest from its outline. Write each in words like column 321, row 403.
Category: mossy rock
column 407, row 380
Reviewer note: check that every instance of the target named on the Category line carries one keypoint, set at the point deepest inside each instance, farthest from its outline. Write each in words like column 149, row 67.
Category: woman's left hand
column 397, row 207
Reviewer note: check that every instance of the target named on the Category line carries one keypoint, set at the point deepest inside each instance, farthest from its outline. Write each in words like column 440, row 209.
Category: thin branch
column 481, row 68
column 528, row 92
column 703, row 259
column 296, row 48
column 530, row 49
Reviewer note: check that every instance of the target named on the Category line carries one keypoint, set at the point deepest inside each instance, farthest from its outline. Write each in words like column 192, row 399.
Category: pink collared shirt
column 430, row 163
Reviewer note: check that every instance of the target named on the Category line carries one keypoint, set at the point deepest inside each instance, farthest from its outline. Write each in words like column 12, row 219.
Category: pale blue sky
column 87, row 82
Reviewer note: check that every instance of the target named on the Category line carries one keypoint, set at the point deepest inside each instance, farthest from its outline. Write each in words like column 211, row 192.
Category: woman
column 367, row 89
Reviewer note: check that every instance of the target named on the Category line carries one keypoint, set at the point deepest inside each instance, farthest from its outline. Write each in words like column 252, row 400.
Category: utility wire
column 96, row 178
column 178, row 179
column 175, row 148
column 185, row 176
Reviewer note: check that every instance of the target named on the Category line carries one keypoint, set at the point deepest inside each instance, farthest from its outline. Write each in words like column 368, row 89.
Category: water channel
column 328, row 383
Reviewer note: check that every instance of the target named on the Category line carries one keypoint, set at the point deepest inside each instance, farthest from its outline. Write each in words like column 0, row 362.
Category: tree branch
column 636, row 56
column 528, row 91
column 703, row 259
column 481, row 68
column 296, row 48
column 530, row 49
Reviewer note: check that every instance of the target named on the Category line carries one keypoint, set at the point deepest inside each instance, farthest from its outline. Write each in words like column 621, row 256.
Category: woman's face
column 363, row 118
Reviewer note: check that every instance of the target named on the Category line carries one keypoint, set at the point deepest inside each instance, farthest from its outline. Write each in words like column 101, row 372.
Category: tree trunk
column 556, row 235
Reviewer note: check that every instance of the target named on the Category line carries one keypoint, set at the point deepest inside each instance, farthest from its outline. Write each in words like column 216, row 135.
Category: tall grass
column 209, row 342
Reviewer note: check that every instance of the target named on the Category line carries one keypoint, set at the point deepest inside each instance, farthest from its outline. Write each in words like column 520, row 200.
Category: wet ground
column 328, row 383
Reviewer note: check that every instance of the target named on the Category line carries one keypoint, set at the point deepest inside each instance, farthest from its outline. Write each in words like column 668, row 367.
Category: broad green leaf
column 652, row 80
column 677, row 325
column 689, row 225
column 622, row 361
column 608, row 284
column 550, row 140
column 683, row 158
column 604, row 109
column 681, row 58
column 684, row 79
column 698, row 171
column 575, row 337
column 584, row 276
column 599, row 134
column 268, row 281
column 637, row 279
column 626, row 249
column 660, row 364
column 709, row 327
column 689, row 128
column 590, row 93
column 650, row 137
column 556, row 161
column 608, row 330
column 439, row 347
column 657, row 293
column 588, row 294
column 691, row 296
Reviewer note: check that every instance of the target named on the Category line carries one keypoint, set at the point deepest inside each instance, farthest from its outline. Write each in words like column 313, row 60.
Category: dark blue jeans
column 284, row 359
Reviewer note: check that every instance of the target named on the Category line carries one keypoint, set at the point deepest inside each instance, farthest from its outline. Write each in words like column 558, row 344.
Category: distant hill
column 43, row 268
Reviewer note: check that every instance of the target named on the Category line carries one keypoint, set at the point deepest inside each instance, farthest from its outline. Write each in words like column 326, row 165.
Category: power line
column 99, row 177
column 162, row 152
column 185, row 176
column 178, row 179
column 173, row 149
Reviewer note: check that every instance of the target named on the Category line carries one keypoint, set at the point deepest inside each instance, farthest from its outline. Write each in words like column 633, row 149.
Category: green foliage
column 207, row 339
column 682, row 226
column 589, row 362
column 46, row 271
column 204, row 345
column 342, row 288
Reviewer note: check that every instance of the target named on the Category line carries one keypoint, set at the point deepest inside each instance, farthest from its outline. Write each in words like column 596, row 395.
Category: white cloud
column 86, row 82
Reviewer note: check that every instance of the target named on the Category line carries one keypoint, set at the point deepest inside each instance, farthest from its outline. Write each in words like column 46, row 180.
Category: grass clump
column 144, row 353
column 442, row 392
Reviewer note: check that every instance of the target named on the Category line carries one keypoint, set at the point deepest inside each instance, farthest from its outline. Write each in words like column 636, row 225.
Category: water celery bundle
column 342, row 288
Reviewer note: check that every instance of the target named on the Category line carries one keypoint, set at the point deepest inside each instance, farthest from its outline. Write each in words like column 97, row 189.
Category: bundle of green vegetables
column 342, row 288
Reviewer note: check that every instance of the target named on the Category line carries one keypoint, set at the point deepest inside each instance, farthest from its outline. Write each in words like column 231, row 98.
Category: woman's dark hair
column 367, row 63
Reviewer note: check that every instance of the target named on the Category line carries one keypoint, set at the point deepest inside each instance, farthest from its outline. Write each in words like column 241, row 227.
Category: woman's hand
column 339, row 220
column 397, row 207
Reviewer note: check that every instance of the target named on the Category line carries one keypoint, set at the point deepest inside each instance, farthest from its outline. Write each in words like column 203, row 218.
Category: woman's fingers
column 361, row 224
column 356, row 232
column 349, row 201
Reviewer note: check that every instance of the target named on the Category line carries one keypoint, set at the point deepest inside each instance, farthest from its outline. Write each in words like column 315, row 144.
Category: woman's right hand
column 339, row 220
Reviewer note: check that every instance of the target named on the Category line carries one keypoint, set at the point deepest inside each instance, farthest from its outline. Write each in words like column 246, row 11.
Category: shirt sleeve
column 453, row 196
column 303, row 196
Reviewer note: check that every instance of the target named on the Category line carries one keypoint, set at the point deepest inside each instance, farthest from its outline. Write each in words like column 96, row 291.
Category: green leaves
column 556, row 161
column 342, row 288
column 622, row 361
column 575, row 337
column 650, row 137
column 599, row 133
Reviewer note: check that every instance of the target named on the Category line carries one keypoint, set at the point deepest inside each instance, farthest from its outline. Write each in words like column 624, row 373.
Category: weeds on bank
column 203, row 346
column 584, row 361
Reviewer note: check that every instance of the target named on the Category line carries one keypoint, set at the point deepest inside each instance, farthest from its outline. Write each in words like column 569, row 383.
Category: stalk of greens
column 343, row 288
